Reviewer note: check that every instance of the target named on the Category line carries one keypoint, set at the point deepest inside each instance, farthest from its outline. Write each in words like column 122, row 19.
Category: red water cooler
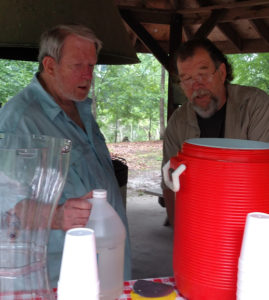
column 219, row 181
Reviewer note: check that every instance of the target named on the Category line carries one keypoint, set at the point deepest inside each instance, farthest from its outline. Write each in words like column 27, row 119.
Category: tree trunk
column 93, row 96
column 121, row 129
column 162, row 104
column 116, row 131
column 149, row 132
column 132, row 133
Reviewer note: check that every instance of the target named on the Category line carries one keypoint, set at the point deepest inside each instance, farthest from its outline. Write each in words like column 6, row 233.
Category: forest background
column 130, row 101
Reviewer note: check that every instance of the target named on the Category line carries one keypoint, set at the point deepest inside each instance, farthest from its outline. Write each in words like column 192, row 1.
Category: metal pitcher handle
column 173, row 184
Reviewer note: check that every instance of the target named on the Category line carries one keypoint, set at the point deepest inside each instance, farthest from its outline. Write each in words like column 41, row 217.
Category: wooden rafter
column 210, row 23
column 149, row 15
column 187, row 32
column 208, row 8
column 226, row 28
column 174, row 4
column 198, row 15
column 228, row 5
column 175, row 35
column 232, row 35
column 201, row 18
column 146, row 38
column 262, row 29
column 174, row 41
column 245, row 14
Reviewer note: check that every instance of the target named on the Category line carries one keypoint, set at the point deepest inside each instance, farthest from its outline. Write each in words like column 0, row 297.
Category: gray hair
column 52, row 40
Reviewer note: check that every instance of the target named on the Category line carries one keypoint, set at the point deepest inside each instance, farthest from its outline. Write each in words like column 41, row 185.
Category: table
column 128, row 286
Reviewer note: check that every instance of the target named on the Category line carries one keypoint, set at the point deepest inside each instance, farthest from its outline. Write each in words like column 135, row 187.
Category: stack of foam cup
column 79, row 275
column 253, row 265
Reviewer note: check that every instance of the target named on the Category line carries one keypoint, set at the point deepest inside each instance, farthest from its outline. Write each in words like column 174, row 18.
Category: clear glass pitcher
column 33, row 171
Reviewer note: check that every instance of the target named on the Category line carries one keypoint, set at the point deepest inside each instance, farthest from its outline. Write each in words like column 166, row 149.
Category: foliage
column 128, row 99
column 14, row 76
column 251, row 69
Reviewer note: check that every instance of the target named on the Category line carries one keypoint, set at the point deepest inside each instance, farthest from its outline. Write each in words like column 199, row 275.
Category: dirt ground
column 139, row 155
column 143, row 161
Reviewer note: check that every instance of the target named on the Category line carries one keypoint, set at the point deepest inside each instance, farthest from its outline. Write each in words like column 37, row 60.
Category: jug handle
column 173, row 184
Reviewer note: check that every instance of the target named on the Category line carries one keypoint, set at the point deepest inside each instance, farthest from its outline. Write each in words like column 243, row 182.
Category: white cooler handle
column 173, row 184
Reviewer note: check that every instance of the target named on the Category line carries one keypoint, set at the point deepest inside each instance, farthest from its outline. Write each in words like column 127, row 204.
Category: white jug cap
column 99, row 193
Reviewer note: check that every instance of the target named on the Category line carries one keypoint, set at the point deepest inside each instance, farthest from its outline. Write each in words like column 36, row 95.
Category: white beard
column 212, row 107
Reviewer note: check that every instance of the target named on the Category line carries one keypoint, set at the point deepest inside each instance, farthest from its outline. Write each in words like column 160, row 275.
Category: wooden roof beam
column 198, row 10
column 174, row 4
column 250, row 46
column 186, row 33
column 146, row 38
column 197, row 15
column 262, row 29
column 226, row 29
column 228, row 5
column 148, row 15
column 209, row 24
column 175, row 40
column 232, row 35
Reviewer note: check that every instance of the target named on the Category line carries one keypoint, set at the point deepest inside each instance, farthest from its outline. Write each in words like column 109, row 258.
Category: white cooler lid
column 228, row 143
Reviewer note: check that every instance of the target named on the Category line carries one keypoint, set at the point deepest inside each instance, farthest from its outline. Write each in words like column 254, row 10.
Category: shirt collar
column 47, row 102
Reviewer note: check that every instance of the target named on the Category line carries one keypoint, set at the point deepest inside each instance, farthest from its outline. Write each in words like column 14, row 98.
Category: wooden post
column 175, row 40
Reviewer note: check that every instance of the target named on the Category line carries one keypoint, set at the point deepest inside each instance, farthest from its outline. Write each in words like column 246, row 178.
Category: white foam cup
column 253, row 264
column 78, row 274
column 251, row 294
column 255, row 244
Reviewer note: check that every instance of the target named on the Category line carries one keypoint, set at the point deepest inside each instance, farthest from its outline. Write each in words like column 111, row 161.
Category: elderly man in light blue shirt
column 55, row 103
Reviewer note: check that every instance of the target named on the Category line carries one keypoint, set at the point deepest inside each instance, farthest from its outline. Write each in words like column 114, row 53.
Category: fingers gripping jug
column 110, row 237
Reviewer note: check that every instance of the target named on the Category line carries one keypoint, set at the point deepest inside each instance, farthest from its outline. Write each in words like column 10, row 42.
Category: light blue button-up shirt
column 33, row 111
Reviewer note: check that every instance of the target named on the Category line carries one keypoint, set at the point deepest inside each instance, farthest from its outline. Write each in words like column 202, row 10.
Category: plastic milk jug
column 110, row 237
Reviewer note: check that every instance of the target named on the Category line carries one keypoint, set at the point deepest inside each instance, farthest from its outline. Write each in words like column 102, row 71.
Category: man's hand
column 73, row 213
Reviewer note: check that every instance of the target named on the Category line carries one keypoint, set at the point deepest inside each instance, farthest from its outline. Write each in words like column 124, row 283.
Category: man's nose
column 196, row 84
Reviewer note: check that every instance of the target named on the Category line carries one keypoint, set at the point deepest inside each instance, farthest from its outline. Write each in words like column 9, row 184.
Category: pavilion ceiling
column 155, row 26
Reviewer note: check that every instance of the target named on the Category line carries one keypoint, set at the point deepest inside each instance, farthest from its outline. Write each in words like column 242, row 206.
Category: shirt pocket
column 75, row 182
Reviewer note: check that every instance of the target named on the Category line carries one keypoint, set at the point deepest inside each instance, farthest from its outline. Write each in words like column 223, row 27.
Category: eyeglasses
column 202, row 77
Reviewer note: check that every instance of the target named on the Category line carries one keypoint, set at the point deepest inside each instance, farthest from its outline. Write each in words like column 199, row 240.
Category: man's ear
column 48, row 64
column 222, row 71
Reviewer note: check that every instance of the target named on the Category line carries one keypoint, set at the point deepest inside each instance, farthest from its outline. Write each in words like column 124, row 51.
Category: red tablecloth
column 128, row 286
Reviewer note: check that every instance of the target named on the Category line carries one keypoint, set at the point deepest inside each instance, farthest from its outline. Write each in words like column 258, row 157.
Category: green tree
column 14, row 76
column 251, row 69
column 128, row 97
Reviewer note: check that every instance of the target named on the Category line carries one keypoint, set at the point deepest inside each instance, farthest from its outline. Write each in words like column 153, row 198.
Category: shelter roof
column 153, row 26
column 23, row 21
column 234, row 26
